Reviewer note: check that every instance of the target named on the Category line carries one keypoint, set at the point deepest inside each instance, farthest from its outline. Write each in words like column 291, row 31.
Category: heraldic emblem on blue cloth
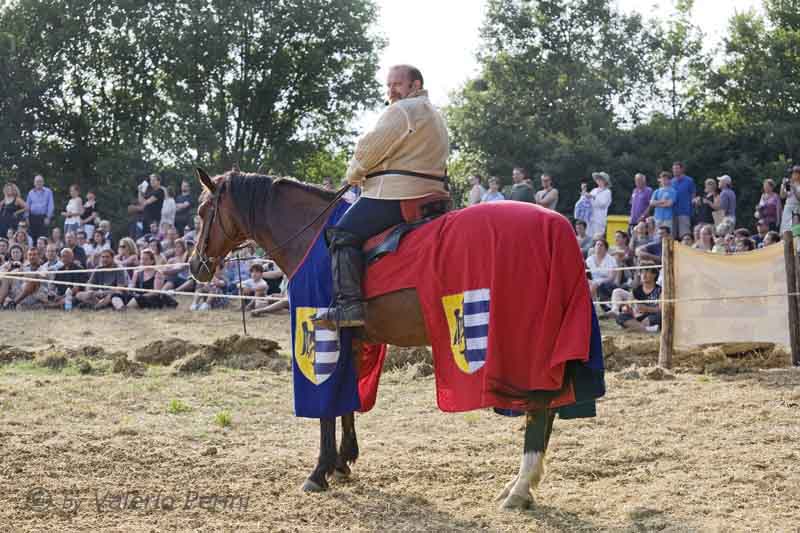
column 325, row 378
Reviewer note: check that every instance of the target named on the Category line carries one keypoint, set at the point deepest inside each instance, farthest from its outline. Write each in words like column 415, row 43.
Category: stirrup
column 337, row 317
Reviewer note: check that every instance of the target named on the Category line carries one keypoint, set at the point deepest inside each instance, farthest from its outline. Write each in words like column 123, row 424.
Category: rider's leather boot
column 347, row 262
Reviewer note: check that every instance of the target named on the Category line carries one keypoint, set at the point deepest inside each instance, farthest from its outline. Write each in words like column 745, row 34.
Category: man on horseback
column 404, row 157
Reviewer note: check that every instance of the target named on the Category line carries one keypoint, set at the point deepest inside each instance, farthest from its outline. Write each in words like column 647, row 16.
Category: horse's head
column 221, row 228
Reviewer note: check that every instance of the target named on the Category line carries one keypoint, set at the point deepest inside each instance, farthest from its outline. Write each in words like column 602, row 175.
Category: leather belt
column 442, row 179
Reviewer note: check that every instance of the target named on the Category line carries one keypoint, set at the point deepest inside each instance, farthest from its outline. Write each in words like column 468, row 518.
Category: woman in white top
column 790, row 194
column 168, row 209
column 94, row 248
column 72, row 215
column 601, row 199
column 604, row 278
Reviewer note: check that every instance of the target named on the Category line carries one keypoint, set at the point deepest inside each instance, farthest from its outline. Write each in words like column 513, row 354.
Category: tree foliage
column 100, row 91
column 573, row 86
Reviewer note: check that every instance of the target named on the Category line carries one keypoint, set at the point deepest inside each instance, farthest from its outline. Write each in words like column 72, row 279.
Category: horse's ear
column 205, row 180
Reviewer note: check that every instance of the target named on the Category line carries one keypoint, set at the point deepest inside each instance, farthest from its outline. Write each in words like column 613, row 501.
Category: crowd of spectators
column 705, row 222
column 60, row 260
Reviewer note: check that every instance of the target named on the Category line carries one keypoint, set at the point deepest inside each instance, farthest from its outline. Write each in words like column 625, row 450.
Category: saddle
column 416, row 212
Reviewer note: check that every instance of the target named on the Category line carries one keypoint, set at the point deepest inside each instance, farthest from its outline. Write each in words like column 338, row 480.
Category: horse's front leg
column 317, row 481
column 348, row 450
column 518, row 492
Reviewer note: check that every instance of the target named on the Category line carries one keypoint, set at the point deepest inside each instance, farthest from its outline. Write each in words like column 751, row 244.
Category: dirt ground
column 92, row 440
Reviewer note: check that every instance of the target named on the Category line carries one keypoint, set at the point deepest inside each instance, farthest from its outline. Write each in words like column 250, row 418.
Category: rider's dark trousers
column 368, row 217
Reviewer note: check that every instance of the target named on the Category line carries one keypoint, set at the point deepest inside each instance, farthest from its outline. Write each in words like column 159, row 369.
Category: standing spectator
column 12, row 208
column 40, row 207
column 168, row 209
column 152, row 201
column 601, row 199
column 640, row 200
column 493, row 194
column 727, row 199
column 708, row 210
column 769, row 206
column 521, row 191
column 547, row 197
column 584, row 239
column 601, row 266
column 111, row 282
column 685, row 192
column 184, row 204
column 663, row 201
column 583, row 207
column 90, row 217
column 476, row 190
column 790, row 192
column 74, row 211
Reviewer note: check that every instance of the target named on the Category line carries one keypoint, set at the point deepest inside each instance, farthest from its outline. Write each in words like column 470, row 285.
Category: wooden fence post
column 794, row 302
column 667, row 307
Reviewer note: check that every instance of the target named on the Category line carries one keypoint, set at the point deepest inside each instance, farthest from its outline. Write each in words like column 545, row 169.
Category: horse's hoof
column 515, row 501
column 312, row 486
column 506, row 490
column 341, row 475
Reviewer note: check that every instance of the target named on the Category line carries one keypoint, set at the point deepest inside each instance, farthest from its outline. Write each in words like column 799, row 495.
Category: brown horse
column 237, row 207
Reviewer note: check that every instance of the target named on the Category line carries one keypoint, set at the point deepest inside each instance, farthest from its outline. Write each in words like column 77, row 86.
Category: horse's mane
column 251, row 192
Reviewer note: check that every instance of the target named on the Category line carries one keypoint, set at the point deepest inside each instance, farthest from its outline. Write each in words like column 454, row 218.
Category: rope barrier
column 37, row 278
column 165, row 266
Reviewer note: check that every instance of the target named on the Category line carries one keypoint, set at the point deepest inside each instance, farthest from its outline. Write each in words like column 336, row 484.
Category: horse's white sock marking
column 530, row 471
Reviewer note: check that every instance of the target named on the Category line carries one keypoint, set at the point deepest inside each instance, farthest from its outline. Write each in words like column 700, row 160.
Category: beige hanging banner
column 701, row 274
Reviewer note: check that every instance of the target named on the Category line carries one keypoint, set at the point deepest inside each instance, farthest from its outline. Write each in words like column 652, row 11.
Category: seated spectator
column 93, row 249
column 153, row 234
column 128, row 253
column 105, row 227
column 155, row 246
column 3, row 251
column 177, row 277
column 51, row 258
column 601, row 265
column 584, row 240
column 744, row 245
column 56, row 237
column 274, row 277
column 706, row 240
column 688, row 240
column 22, row 238
column 652, row 229
column 168, row 243
column 71, row 242
column 273, row 304
column 41, row 245
column 112, row 282
column 622, row 243
column 16, row 255
column 190, row 234
column 255, row 285
column 640, row 236
column 652, row 250
column 25, row 293
column 147, row 277
column 493, row 194
column 65, row 274
column 762, row 228
column 772, row 238
column 641, row 316
column 207, row 295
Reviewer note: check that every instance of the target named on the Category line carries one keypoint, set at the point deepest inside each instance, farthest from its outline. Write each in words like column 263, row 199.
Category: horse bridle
column 204, row 260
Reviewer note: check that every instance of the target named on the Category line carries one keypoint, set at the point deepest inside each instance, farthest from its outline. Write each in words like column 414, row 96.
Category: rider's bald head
column 411, row 73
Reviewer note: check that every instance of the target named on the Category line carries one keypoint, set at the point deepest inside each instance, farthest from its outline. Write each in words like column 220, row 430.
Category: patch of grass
column 223, row 419
column 472, row 418
column 177, row 407
column 704, row 379
column 28, row 368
